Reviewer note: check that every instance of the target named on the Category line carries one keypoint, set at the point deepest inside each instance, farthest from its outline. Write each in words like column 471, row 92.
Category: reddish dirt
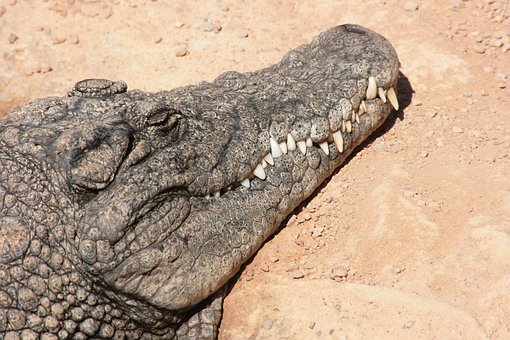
column 411, row 237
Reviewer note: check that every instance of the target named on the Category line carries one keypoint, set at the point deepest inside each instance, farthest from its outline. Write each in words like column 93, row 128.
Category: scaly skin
column 123, row 214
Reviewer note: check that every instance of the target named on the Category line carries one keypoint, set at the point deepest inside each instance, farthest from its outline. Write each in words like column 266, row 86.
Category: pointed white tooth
column 392, row 97
column 343, row 126
column 372, row 88
column 269, row 159
column 357, row 118
column 348, row 126
column 309, row 142
column 362, row 108
column 283, row 146
column 291, row 143
column 381, row 93
column 324, row 146
column 302, row 146
column 275, row 148
column 207, row 196
column 259, row 172
column 264, row 163
column 339, row 140
column 216, row 194
column 246, row 183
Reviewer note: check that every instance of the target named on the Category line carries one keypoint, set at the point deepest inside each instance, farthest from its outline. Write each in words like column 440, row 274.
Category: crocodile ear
column 91, row 155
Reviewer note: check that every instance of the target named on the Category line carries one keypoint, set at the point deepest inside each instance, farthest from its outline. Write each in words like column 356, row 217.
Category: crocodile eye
column 155, row 113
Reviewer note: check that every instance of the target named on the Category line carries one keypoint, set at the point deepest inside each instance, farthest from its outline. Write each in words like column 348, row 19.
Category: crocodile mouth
column 344, row 122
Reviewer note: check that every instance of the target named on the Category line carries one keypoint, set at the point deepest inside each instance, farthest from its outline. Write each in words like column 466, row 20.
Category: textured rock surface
column 123, row 211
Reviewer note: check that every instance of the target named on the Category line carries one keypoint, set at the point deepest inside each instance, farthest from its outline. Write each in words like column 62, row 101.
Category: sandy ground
column 411, row 238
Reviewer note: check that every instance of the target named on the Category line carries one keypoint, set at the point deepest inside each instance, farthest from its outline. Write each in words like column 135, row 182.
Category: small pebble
column 45, row 68
column 424, row 154
column 410, row 6
column 467, row 94
column 243, row 34
column 264, row 267
column 311, row 325
column 297, row 274
column 12, row 38
column 158, row 39
column 208, row 26
column 181, row 51
column 431, row 114
column 478, row 48
column 457, row 129
column 74, row 39
column 179, row 24
column 274, row 258
column 58, row 39
column 339, row 272
column 408, row 324
column 217, row 27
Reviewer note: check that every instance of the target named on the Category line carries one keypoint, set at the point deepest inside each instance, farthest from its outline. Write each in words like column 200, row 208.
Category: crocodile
column 124, row 214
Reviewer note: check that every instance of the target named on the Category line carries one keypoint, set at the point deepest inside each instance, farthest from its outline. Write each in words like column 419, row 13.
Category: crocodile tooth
column 362, row 108
column 259, row 172
column 269, row 159
column 339, row 141
column 392, row 97
column 216, row 194
column 348, row 126
column 207, row 196
column 309, row 142
column 246, row 183
column 302, row 146
column 275, row 148
column 264, row 163
column 380, row 91
column 357, row 118
column 372, row 88
column 324, row 146
column 291, row 143
column 283, row 147
column 343, row 126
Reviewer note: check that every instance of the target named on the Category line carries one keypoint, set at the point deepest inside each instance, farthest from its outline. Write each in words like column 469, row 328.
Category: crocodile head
column 121, row 211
